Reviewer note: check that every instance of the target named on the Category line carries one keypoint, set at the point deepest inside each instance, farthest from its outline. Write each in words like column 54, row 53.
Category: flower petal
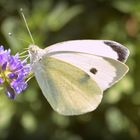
column 10, row 92
column 12, row 75
column 18, row 86
column 4, row 66
column 1, row 80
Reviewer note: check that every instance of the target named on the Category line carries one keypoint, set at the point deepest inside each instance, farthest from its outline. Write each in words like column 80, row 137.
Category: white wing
column 105, row 48
column 69, row 90
column 105, row 71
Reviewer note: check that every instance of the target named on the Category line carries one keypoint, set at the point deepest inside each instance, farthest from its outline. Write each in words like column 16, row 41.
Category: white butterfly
column 73, row 74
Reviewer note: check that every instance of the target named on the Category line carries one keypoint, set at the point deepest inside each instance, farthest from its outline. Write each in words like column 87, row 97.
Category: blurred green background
column 50, row 21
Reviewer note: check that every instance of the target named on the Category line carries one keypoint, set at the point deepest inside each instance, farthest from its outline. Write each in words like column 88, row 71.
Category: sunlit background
column 51, row 21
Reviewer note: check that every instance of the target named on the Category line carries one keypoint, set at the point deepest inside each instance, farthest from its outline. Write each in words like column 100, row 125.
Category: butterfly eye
column 93, row 70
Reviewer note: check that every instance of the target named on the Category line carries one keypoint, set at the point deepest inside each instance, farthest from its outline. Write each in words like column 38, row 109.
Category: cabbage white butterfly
column 73, row 74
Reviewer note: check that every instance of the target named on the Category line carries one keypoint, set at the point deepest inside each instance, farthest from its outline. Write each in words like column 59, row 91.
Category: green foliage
column 50, row 21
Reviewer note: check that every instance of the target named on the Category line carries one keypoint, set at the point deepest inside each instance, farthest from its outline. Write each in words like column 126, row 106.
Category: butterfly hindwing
column 69, row 90
column 105, row 71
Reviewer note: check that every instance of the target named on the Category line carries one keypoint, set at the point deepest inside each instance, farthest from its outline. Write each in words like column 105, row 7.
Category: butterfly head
column 33, row 49
column 35, row 53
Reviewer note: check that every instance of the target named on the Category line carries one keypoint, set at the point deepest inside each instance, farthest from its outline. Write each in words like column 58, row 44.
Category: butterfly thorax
column 35, row 53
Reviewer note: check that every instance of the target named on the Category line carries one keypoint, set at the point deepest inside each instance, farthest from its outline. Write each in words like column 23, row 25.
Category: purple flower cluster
column 13, row 73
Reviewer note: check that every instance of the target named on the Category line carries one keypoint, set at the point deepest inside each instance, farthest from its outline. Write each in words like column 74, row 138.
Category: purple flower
column 13, row 73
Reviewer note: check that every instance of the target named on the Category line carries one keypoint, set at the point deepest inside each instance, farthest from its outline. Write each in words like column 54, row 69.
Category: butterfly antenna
column 11, row 35
column 22, row 14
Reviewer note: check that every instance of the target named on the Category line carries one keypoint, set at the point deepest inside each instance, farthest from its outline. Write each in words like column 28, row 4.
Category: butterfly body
column 73, row 74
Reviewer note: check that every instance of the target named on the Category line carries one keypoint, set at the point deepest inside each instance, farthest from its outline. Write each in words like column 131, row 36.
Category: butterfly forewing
column 105, row 71
column 104, row 48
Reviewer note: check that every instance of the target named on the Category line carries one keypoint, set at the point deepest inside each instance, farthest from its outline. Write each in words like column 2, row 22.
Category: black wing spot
column 119, row 49
column 93, row 70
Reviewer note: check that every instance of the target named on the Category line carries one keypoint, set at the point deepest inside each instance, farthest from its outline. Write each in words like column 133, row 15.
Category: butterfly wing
column 104, row 48
column 105, row 71
column 68, row 89
column 105, row 56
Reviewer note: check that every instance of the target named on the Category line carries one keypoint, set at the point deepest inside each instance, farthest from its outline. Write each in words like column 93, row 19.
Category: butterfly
column 74, row 74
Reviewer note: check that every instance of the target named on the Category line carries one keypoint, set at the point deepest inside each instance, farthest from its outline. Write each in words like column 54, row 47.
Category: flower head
column 13, row 73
